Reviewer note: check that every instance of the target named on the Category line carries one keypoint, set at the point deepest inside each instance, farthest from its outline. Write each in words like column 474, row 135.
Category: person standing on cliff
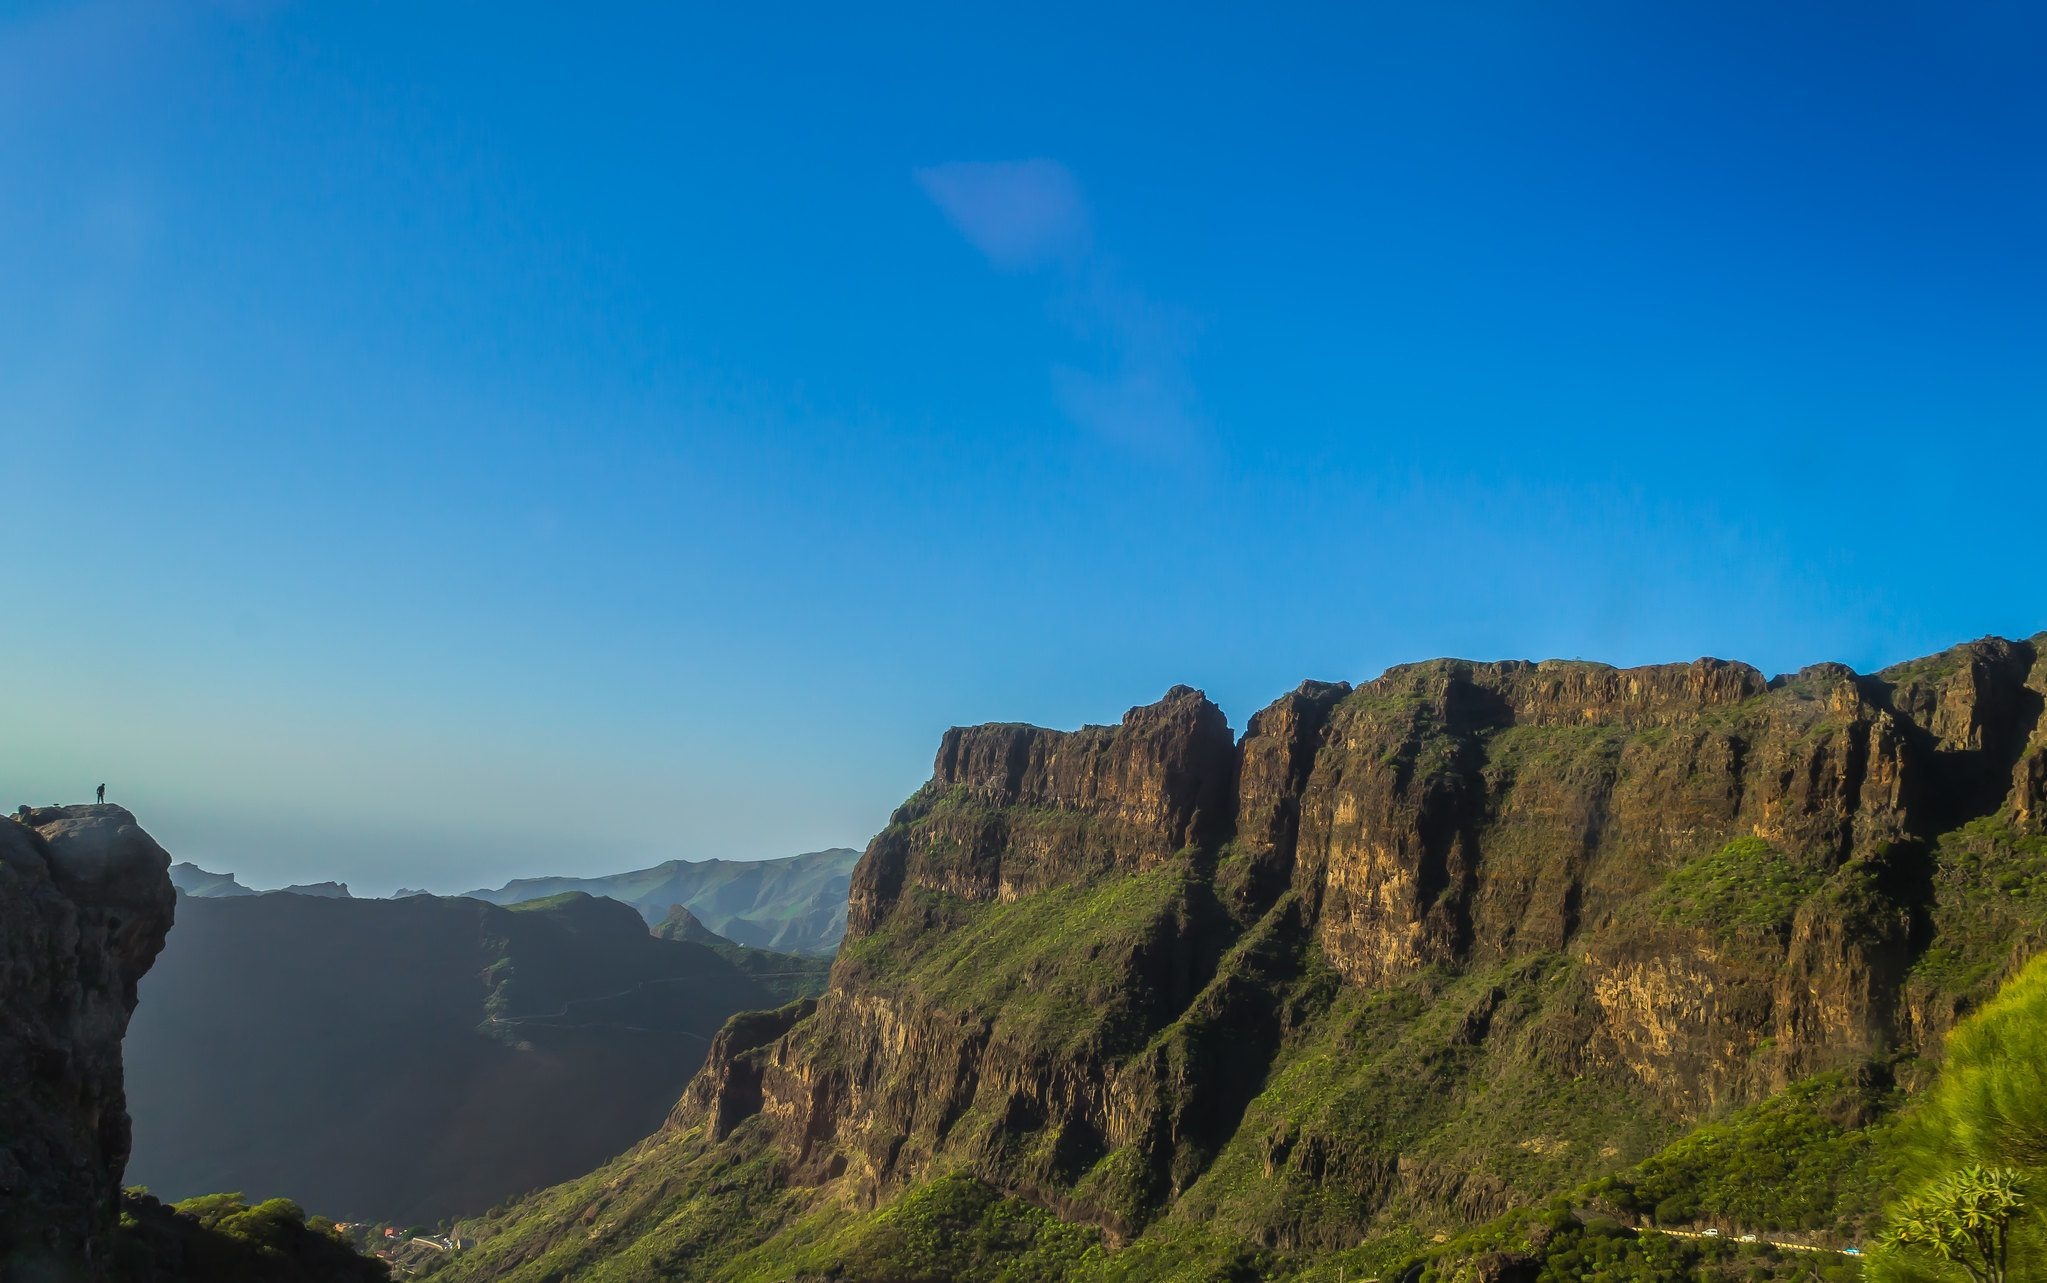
column 103, row 795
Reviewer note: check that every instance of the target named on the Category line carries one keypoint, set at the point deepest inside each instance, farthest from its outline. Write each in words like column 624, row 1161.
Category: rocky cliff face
column 1042, row 808
column 1446, row 816
column 85, row 902
column 1405, row 952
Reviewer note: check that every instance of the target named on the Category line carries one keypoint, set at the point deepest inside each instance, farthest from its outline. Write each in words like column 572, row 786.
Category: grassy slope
column 223, row 1239
column 1052, row 970
column 1068, row 955
column 1816, row 1150
column 1406, row 1071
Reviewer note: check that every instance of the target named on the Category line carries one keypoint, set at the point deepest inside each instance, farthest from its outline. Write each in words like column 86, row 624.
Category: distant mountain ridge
column 788, row 976
column 192, row 880
column 795, row 904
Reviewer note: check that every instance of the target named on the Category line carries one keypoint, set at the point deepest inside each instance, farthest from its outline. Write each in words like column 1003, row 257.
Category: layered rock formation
column 1046, row 808
column 85, row 902
column 1405, row 953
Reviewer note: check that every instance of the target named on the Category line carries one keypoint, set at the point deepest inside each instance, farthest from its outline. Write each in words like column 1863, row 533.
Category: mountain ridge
column 791, row 904
column 1401, row 957
column 189, row 879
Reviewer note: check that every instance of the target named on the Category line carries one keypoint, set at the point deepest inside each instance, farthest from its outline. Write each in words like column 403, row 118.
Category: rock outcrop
column 85, row 902
column 1037, row 808
column 1446, row 817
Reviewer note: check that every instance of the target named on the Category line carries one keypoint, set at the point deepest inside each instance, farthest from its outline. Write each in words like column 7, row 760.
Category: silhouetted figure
column 103, row 795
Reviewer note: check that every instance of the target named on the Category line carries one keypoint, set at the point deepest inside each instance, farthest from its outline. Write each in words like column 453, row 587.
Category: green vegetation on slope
column 953, row 1228
column 1445, row 1085
column 222, row 1239
column 784, row 976
column 1810, row 1164
column 1814, row 1157
column 1559, row 1246
column 1513, row 968
column 1070, row 964
column 670, row 1208
column 1990, row 886
column 1833, row 1156
column 1343, row 1103
column 1445, row 1071
column 1745, row 887
column 1450, row 1071
column 1983, row 1124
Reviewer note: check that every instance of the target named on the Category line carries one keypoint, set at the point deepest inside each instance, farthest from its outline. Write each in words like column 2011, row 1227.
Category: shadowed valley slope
column 85, row 902
column 412, row 1059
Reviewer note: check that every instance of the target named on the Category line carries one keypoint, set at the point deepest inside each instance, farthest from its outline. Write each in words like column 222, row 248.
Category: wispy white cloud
column 1020, row 213
column 1026, row 215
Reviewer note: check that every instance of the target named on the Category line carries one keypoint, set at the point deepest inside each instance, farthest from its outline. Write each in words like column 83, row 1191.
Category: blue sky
column 449, row 442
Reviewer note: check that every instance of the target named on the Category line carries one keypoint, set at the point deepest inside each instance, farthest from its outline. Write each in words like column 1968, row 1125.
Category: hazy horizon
column 251, row 851
column 444, row 450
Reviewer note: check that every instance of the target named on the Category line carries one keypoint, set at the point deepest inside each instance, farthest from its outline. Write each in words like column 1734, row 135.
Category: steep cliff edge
column 1404, row 955
column 85, row 902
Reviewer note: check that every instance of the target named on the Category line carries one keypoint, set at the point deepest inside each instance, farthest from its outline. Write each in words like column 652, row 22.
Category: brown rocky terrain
column 1403, row 955
column 1457, row 813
